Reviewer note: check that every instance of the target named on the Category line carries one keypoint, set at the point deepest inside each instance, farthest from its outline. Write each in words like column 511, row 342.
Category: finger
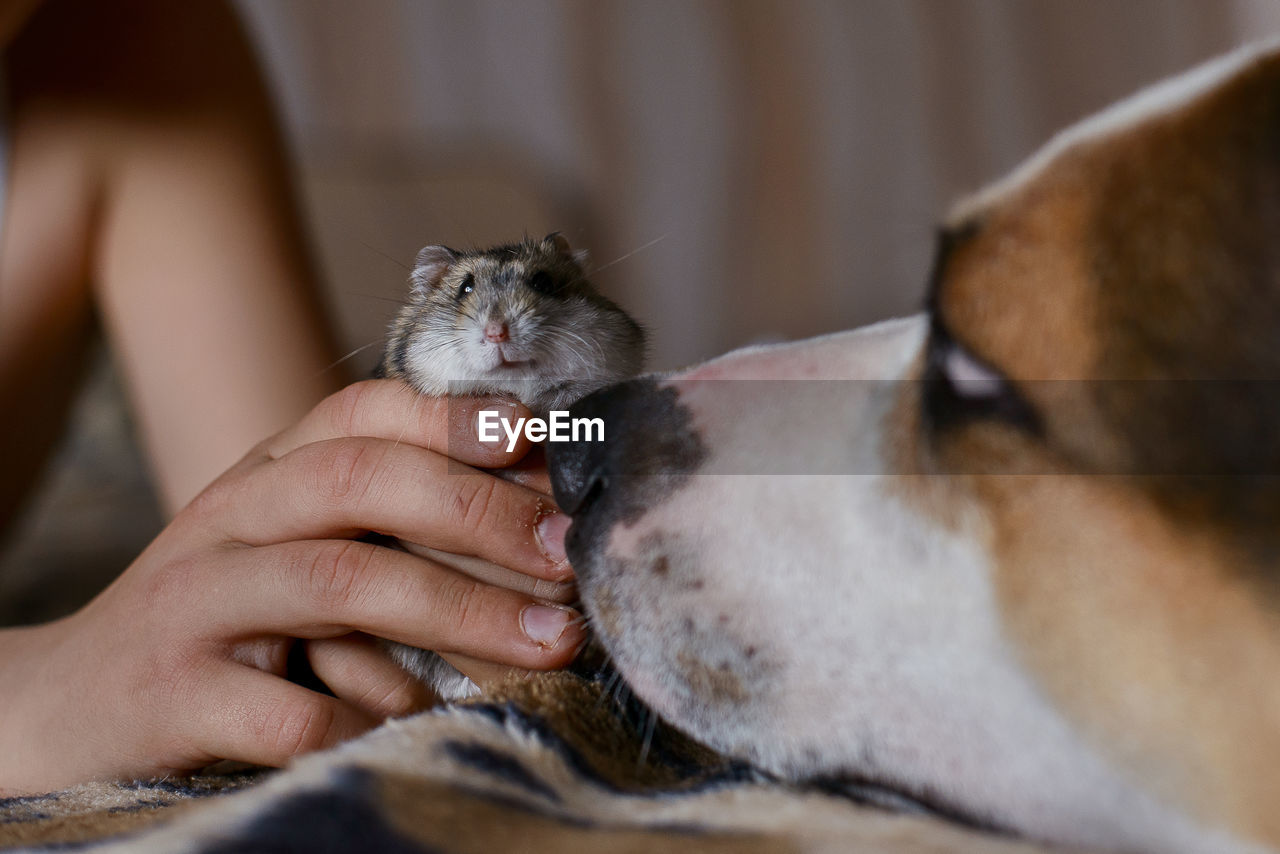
column 362, row 673
column 390, row 409
column 484, row 673
column 563, row 592
column 345, row 487
column 252, row 716
column 328, row 588
column 529, row 471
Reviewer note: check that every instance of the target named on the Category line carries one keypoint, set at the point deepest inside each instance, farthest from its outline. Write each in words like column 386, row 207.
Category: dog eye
column 542, row 282
column 961, row 387
column 969, row 378
column 468, row 286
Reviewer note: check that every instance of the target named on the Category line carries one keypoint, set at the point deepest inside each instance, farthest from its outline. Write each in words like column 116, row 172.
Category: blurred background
column 740, row 170
column 747, row 169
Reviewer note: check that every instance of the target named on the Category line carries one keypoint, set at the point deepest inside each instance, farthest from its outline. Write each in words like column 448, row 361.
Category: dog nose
column 579, row 468
column 496, row 331
column 647, row 431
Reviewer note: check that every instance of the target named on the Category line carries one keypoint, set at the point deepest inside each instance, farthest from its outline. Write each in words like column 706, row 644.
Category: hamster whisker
column 404, row 428
column 443, row 344
column 607, row 689
column 651, row 724
column 635, row 251
column 379, row 297
column 357, row 351
column 592, row 348
column 390, row 258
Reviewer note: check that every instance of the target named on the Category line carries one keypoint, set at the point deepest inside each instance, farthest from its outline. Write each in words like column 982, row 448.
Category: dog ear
column 1185, row 230
column 1184, row 244
column 430, row 266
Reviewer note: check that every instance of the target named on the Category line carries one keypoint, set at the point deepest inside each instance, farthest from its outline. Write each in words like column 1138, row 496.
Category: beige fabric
column 544, row 766
column 96, row 811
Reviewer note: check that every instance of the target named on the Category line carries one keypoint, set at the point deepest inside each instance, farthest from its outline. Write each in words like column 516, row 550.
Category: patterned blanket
column 552, row 764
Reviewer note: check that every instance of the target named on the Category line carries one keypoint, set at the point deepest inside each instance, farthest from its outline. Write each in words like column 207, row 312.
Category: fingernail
column 550, row 531
column 544, row 624
column 504, row 410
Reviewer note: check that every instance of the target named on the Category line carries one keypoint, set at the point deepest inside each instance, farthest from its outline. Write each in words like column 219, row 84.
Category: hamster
column 520, row 320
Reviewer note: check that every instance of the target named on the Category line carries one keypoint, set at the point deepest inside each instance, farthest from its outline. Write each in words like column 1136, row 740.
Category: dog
column 1015, row 557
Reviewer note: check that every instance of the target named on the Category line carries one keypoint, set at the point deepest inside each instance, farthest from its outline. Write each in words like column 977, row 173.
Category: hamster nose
column 495, row 332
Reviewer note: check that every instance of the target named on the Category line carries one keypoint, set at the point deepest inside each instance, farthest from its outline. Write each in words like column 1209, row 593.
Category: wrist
column 28, row 708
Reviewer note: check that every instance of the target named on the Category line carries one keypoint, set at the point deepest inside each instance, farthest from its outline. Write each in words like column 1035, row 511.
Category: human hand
column 181, row 661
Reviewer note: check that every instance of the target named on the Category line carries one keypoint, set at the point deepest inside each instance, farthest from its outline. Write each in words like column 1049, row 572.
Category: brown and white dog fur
column 1029, row 573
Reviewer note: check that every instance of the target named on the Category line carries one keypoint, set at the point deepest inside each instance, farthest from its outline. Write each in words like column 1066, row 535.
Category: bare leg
column 146, row 179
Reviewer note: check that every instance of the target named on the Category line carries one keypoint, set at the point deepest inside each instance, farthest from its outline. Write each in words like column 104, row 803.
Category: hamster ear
column 558, row 241
column 430, row 266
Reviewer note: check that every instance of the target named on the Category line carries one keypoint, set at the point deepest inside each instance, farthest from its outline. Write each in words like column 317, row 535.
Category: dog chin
column 733, row 673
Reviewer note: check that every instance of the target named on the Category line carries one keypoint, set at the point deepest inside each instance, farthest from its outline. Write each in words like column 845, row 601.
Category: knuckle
column 173, row 583
column 347, row 407
column 337, row 573
column 461, row 601
column 292, row 726
column 173, row 677
column 210, row 502
column 393, row 701
column 345, row 471
column 474, row 501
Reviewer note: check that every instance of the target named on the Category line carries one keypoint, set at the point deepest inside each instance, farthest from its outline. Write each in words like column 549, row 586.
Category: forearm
column 211, row 311
column 29, row 748
column 203, row 277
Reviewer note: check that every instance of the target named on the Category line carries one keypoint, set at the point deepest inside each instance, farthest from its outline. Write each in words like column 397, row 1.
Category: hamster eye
column 542, row 282
column 468, row 285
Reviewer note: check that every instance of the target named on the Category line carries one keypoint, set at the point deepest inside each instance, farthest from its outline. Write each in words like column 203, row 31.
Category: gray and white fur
column 520, row 320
